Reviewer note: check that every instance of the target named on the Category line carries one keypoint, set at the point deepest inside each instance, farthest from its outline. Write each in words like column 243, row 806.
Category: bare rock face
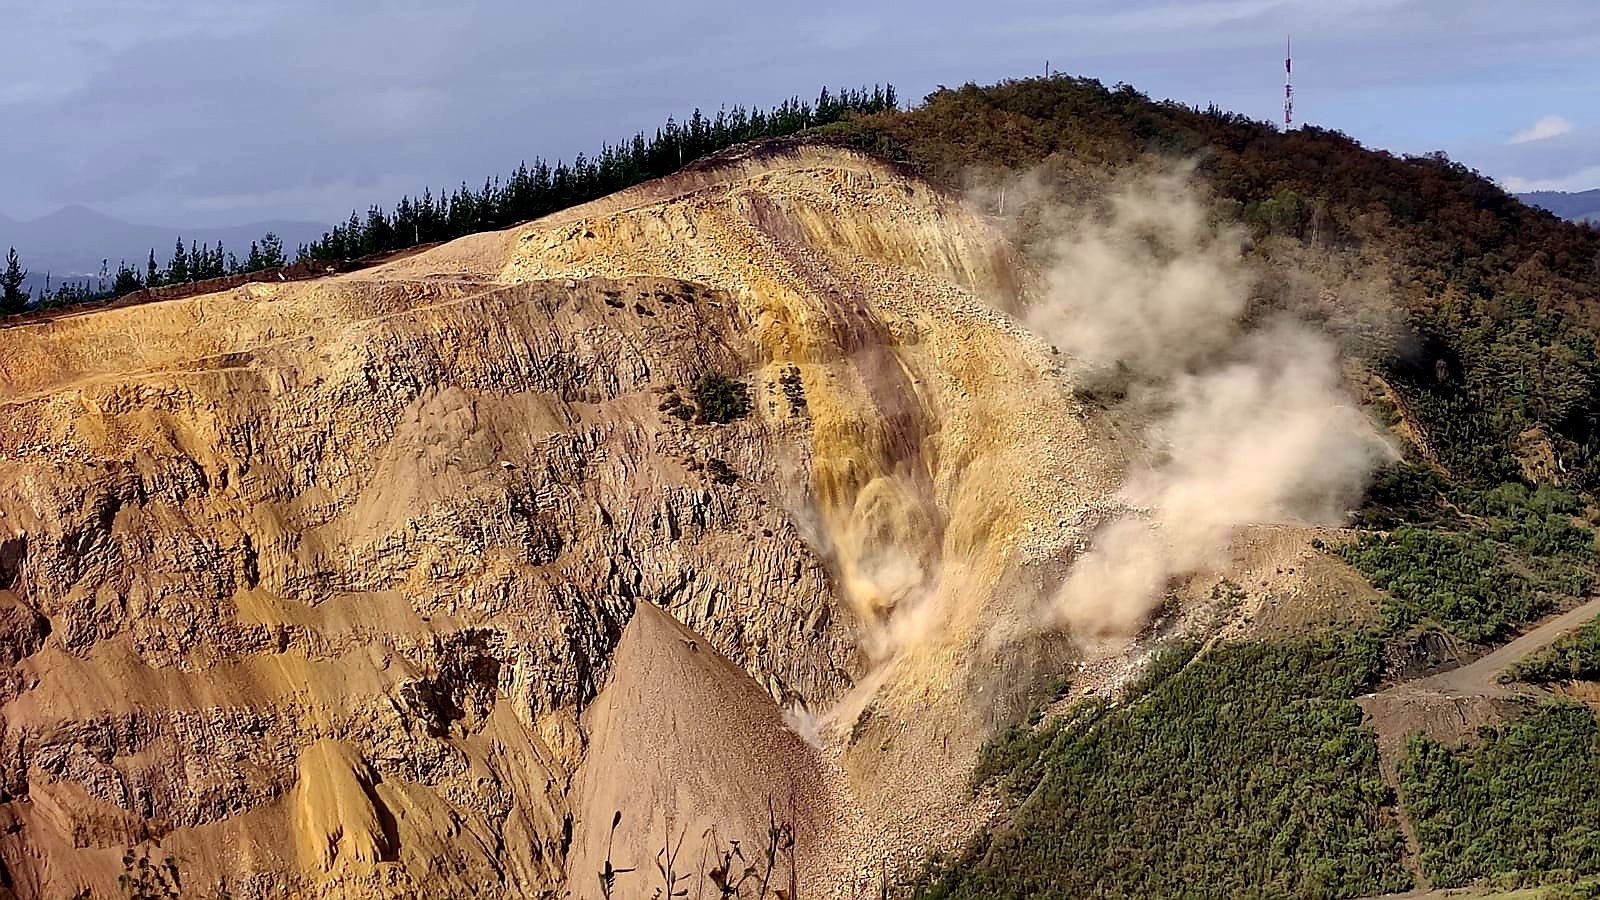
column 311, row 584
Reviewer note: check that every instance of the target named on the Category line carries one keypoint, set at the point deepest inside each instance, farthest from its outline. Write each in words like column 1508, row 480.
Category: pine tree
column 152, row 275
column 178, row 267
column 353, row 232
column 272, row 251
column 376, row 232
column 127, row 280
column 13, row 299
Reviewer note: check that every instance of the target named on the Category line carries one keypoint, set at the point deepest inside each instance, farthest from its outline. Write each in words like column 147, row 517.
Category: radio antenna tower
column 1288, row 87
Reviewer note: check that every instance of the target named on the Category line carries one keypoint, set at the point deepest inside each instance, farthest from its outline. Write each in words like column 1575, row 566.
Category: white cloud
column 1544, row 129
column 282, row 109
column 1582, row 180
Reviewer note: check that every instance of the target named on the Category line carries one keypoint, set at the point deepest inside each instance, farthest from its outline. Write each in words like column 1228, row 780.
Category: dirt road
column 1479, row 678
column 1452, row 705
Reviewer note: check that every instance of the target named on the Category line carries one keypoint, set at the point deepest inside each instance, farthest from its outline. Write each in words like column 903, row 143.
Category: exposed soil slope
column 690, row 751
column 312, row 583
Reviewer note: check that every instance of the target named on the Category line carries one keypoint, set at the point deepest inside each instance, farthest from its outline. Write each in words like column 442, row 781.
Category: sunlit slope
column 313, row 582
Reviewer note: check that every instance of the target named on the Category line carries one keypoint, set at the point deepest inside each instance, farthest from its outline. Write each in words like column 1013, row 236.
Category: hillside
column 377, row 536
column 1497, row 366
column 1468, row 320
column 1038, row 492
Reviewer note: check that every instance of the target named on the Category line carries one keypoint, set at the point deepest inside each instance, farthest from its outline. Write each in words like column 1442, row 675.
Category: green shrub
column 1550, row 535
column 1587, row 889
column 1524, row 802
column 720, row 399
column 1460, row 581
column 1512, row 557
column 1575, row 657
column 1406, row 492
column 794, row 390
column 721, row 472
column 1168, row 661
column 1514, row 500
column 673, row 405
column 1244, row 772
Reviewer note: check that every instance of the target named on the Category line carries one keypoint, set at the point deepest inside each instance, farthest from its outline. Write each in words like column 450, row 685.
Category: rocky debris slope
column 311, row 583
column 952, row 473
column 691, row 753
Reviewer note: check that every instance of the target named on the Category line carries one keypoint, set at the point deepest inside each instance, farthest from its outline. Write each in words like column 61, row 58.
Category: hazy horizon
column 205, row 117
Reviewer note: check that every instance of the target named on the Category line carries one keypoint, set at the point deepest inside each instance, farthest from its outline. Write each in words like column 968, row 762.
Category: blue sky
column 202, row 113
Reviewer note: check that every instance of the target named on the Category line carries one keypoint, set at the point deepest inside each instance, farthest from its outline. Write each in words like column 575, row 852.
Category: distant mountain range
column 1580, row 206
column 71, row 243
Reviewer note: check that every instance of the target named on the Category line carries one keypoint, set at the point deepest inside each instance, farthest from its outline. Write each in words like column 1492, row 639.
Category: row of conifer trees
column 532, row 191
column 527, row 193
column 185, row 266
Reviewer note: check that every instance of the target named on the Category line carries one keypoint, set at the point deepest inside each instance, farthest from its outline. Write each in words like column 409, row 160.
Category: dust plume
column 1244, row 423
column 886, row 562
column 1148, row 288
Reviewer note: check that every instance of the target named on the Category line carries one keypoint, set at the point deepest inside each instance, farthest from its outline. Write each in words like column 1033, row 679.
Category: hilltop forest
column 527, row 193
column 1497, row 295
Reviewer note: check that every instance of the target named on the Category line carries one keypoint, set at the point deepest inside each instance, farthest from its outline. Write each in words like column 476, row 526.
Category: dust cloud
column 1149, row 287
column 1241, row 417
column 886, row 563
column 1245, row 423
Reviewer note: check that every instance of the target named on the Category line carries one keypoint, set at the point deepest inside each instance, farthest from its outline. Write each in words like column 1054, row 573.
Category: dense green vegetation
column 1523, row 801
column 1478, row 563
column 1244, row 773
column 719, row 399
column 1408, row 493
column 713, row 399
column 1575, row 657
column 1519, row 805
column 1465, row 582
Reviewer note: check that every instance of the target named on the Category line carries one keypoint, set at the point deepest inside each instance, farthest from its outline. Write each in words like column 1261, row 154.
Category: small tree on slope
column 13, row 299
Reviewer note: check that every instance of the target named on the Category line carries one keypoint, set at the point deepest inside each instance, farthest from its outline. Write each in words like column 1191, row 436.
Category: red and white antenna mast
column 1288, row 86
